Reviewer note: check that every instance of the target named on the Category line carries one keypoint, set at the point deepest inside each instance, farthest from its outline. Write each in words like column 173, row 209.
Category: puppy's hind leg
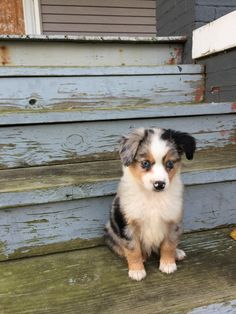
column 134, row 258
column 180, row 255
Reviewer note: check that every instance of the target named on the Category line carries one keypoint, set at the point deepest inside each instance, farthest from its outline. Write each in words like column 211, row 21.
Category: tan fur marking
column 168, row 252
column 172, row 155
column 136, row 168
column 134, row 258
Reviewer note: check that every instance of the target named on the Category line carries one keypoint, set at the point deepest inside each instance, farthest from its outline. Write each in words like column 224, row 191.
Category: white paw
column 167, row 268
column 137, row 274
column 180, row 255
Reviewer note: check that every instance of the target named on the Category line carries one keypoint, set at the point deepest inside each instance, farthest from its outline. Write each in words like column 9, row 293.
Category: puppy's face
column 153, row 155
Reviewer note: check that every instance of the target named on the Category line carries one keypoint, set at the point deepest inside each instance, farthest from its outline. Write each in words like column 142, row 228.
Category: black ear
column 184, row 142
column 129, row 146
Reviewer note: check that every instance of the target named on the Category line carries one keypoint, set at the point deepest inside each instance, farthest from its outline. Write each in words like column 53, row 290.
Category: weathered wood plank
column 101, row 71
column 31, row 145
column 66, row 182
column 43, row 92
column 90, row 51
column 58, row 227
column 71, row 283
column 74, row 112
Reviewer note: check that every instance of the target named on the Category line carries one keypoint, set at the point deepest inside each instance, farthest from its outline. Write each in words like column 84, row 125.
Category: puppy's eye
column 170, row 164
column 146, row 164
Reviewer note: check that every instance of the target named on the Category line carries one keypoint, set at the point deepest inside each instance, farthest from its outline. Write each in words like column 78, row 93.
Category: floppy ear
column 184, row 142
column 129, row 146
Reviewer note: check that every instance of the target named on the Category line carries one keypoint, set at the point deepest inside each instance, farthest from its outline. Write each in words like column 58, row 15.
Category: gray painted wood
column 31, row 145
column 78, row 190
column 23, row 229
column 100, row 71
column 48, row 91
column 89, row 51
column 222, row 308
column 111, row 111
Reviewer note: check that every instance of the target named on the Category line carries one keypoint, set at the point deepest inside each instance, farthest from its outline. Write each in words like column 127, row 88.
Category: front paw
column 167, row 268
column 137, row 274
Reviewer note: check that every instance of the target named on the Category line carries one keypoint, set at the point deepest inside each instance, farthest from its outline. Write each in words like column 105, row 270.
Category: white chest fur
column 153, row 211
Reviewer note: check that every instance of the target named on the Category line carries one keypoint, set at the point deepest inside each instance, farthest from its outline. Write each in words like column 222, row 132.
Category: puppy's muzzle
column 159, row 186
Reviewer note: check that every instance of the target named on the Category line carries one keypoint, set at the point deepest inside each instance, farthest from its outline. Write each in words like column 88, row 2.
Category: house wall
column 99, row 17
column 220, row 76
column 176, row 17
column 181, row 17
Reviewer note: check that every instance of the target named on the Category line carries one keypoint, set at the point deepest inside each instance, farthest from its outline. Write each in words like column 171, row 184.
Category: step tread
column 71, row 283
column 73, row 181
column 72, row 111
column 82, row 173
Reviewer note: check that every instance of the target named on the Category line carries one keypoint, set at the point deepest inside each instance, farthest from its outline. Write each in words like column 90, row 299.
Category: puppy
column 147, row 212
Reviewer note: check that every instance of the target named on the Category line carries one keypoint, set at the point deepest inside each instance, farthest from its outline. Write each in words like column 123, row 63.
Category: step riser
column 55, row 227
column 36, row 145
column 55, row 93
column 90, row 54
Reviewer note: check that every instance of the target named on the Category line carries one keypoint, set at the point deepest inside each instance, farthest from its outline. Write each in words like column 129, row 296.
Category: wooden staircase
column 63, row 107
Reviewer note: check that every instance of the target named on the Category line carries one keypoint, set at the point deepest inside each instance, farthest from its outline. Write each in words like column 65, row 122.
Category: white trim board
column 214, row 37
column 32, row 17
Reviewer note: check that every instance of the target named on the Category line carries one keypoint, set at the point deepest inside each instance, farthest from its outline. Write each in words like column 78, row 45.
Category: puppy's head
column 154, row 155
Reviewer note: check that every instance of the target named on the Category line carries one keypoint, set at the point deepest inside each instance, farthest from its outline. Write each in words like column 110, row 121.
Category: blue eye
column 146, row 164
column 170, row 164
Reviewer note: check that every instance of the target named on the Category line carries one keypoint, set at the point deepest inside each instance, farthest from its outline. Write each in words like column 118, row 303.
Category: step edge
column 103, row 188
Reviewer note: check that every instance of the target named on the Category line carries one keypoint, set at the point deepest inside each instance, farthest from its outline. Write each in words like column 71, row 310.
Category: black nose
column 159, row 185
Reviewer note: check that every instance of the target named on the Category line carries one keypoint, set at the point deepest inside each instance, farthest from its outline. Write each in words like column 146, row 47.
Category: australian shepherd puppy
column 147, row 212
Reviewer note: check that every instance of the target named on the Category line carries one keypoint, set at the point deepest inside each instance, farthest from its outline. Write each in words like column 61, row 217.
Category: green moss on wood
column 95, row 281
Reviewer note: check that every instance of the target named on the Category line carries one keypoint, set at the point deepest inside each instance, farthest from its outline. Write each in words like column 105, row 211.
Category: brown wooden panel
column 75, row 10
column 90, row 19
column 103, row 3
column 98, row 28
column 11, row 17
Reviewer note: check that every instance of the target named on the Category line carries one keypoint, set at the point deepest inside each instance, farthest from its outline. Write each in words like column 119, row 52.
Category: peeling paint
column 4, row 56
column 199, row 94
column 233, row 106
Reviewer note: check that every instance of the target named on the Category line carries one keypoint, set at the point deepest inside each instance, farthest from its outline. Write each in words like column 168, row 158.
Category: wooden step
column 63, row 143
column 37, row 185
column 44, row 94
column 95, row 281
column 59, row 208
column 90, row 50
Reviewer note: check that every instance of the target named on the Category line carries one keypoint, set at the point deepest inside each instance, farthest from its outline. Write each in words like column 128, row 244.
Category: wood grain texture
column 31, row 145
column 96, row 281
column 74, row 112
column 58, row 227
column 66, row 182
column 51, row 91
